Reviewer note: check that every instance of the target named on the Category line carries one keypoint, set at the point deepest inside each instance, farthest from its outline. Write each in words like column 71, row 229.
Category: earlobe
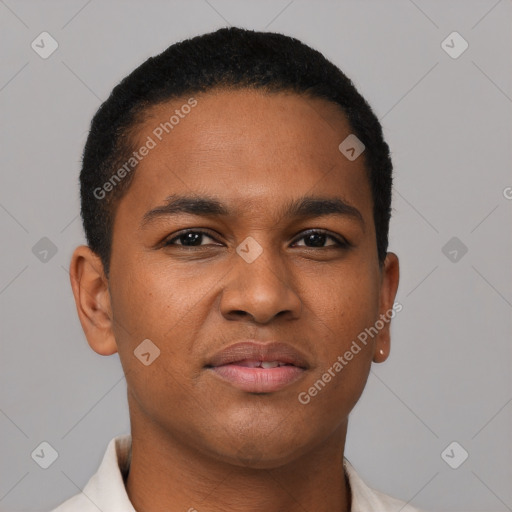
column 381, row 354
column 389, row 287
column 92, row 299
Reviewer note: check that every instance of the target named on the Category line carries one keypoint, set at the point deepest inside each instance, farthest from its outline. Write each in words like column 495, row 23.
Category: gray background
column 448, row 122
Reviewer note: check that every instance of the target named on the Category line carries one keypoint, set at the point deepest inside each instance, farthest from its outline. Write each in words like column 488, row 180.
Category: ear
column 389, row 285
column 92, row 298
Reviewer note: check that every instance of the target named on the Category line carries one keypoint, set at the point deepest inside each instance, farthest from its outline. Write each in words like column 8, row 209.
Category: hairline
column 132, row 133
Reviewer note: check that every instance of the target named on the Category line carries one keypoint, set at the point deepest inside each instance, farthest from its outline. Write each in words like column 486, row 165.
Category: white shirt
column 105, row 490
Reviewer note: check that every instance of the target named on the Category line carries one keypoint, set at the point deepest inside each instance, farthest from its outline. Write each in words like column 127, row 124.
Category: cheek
column 153, row 300
column 165, row 307
column 343, row 305
column 169, row 305
column 344, row 301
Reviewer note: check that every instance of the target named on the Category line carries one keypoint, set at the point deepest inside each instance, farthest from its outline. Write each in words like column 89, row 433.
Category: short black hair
column 231, row 58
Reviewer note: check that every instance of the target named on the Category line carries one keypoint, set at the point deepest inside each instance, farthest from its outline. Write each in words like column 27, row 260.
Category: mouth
column 259, row 368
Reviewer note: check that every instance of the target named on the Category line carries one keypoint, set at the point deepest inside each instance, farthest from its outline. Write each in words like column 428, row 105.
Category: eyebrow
column 206, row 206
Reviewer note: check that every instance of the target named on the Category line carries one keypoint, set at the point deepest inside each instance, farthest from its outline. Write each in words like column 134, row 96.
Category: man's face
column 254, row 274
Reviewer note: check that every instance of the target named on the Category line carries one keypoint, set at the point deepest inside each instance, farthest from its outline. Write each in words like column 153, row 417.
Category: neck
column 165, row 473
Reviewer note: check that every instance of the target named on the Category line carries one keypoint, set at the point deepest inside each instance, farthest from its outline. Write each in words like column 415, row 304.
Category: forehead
column 251, row 148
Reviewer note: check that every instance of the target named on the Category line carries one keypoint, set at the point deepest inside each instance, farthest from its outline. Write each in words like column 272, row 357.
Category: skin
column 199, row 442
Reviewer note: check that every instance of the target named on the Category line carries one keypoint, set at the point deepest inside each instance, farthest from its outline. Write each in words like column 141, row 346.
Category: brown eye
column 190, row 238
column 317, row 239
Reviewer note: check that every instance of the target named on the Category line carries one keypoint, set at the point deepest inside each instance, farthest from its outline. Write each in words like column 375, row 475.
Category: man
column 236, row 194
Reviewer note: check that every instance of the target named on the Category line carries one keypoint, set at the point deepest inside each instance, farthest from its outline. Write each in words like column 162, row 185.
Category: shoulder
column 366, row 499
column 105, row 490
column 75, row 503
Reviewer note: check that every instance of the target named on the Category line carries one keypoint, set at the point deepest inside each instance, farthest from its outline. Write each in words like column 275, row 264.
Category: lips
column 251, row 351
column 259, row 368
column 260, row 364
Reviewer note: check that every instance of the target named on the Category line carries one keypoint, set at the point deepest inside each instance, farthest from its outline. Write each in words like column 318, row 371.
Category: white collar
column 106, row 489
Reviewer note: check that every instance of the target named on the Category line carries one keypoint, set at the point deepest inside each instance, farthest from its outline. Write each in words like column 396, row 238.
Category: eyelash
column 340, row 242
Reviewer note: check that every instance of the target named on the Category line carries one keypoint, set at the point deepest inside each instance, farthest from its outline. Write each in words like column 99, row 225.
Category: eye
column 314, row 238
column 189, row 238
column 317, row 238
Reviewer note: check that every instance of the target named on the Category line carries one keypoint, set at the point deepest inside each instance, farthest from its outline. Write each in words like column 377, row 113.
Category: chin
column 265, row 452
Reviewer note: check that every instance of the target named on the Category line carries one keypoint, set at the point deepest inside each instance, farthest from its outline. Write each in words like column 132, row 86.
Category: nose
column 261, row 290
